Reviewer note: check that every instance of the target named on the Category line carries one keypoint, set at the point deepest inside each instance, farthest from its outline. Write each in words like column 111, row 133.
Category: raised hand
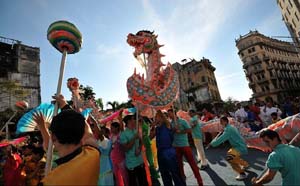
column 42, row 126
column 40, row 120
column 60, row 99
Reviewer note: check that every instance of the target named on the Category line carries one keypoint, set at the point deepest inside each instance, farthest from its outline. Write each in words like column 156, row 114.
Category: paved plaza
column 221, row 173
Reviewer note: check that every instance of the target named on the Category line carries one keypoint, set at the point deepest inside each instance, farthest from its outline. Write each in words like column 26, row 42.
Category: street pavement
column 220, row 172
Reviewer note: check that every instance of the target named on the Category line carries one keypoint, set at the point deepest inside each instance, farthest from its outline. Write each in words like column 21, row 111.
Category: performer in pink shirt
column 117, row 156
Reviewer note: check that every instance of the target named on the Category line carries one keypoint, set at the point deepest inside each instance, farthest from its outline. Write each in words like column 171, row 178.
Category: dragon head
column 143, row 41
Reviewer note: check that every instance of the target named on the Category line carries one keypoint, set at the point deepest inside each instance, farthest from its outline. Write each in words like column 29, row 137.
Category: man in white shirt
column 266, row 111
column 240, row 114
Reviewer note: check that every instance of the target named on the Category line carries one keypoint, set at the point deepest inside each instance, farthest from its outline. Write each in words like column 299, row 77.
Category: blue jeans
column 169, row 168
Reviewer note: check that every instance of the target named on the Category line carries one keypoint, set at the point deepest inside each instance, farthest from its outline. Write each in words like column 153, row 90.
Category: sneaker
column 202, row 167
column 245, row 167
column 241, row 176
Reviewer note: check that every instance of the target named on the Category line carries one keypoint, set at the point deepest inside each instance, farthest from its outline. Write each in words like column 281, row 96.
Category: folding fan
column 27, row 122
column 86, row 112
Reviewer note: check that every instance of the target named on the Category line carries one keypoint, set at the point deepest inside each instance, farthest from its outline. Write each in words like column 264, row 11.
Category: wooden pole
column 58, row 92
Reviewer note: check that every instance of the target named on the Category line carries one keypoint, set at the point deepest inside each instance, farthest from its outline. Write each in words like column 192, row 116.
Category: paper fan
column 86, row 112
column 4, row 143
column 128, row 111
column 27, row 122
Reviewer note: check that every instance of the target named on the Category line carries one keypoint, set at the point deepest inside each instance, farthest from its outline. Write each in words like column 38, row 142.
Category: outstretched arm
column 88, row 137
column 296, row 140
column 265, row 178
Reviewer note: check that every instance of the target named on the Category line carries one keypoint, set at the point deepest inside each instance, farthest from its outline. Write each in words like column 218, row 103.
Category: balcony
column 270, row 67
column 266, row 58
column 257, row 70
column 273, row 77
column 258, row 94
column 262, row 81
column 252, row 62
column 251, row 84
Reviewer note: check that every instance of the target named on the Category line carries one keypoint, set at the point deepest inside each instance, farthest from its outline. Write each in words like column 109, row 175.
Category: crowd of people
column 136, row 151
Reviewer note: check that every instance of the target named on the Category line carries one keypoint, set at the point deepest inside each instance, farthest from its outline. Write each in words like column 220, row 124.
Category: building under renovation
column 197, row 83
column 19, row 74
column 271, row 66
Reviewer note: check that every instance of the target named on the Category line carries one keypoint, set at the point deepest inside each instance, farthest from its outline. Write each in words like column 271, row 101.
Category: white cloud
column 229, row 76
column 109, row 50
column 190, row 27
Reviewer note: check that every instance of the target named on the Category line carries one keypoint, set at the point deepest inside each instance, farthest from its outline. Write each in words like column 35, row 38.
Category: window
column 267, row 87
column 294, row 23
column 296, row 16
column 259, row 66
column 287, row 9
column 280, row 5
column 290, row 3
column 286, row 17
column 203, row 79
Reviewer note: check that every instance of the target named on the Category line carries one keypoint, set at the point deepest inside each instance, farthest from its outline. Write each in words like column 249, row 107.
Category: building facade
column 197, row 83
column 20, row 66
column 290, row 10
column 271, row 66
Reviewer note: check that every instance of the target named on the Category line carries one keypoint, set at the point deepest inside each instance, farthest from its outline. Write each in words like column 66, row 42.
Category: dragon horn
column 155, row 36
column 161, row 55
column 160, row 46
column 134, row 71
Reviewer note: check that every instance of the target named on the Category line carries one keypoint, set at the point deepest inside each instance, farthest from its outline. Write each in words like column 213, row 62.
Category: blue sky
column 188, row 29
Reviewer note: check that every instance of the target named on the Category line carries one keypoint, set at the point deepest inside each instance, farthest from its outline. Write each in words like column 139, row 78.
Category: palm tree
column 87, row 92
column 99, row 103
column 113, row 104
column 127, row 104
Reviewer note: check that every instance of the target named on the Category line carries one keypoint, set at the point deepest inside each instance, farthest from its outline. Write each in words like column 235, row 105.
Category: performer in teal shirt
column 197, row 137
column 238, row 148
column 284, row 158
column 131, row 143
column 182, row 146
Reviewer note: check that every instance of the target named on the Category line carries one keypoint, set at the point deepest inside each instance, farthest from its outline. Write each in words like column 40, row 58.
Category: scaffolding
column 9, row 41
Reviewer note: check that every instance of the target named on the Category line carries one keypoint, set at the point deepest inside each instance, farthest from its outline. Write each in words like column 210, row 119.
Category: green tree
column 87, row 92
column 113, row 104
column 99, row 103
column 229, row 104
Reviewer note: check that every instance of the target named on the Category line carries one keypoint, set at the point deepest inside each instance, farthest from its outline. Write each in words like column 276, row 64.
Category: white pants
column 200, row 151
